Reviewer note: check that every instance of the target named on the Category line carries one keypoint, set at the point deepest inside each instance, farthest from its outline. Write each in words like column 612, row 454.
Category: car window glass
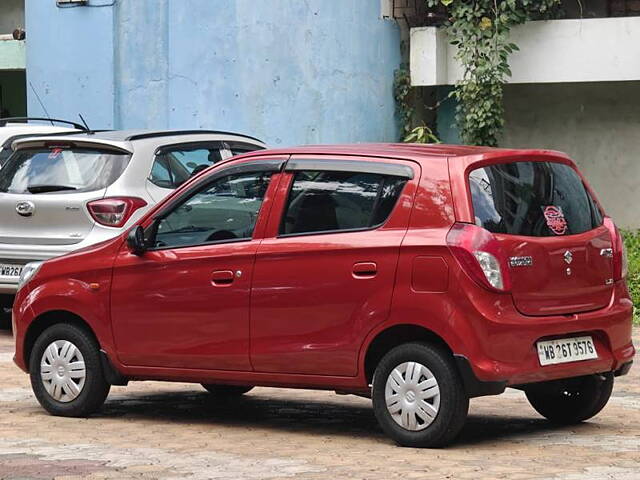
column 225, row 210
column 60, row 170
column 333, row 201
column 239, row 148
column 175, row 166
column 529, row 198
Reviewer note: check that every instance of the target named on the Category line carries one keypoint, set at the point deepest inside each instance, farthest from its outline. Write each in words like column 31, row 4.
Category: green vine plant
column 480, row 30
column 405, row 112
column 421, row 134
column 402, row 95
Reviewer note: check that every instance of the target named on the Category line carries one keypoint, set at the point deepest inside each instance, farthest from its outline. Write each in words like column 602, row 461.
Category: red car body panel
column 306, row 308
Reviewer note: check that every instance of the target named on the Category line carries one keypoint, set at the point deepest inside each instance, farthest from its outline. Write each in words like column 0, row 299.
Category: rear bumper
column 505, row 348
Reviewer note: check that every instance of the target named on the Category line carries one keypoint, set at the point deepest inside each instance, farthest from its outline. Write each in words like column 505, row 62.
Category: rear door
column 552, row 232
column 44, row 192
column 325, row 274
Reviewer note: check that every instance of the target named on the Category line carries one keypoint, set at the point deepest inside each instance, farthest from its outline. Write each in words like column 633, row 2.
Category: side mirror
column 135, row 240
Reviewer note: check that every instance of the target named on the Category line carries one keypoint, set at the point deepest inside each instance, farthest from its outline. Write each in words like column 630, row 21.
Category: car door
column 325, row 272
column 185, row 302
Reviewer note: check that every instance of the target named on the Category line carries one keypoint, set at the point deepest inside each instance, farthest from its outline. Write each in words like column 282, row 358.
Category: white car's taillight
column 115, row 211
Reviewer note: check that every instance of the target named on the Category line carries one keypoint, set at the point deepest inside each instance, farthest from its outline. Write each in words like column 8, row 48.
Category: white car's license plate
column 564, row 350
column 10, row 270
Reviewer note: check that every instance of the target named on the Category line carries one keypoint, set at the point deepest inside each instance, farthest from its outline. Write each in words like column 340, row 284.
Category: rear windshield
column 60, row 170
column 538, row 199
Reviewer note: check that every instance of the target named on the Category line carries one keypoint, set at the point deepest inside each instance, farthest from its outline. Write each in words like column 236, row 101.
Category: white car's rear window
column 57, row 169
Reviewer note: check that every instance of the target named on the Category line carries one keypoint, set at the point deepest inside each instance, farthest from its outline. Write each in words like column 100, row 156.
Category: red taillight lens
column 115, row 211
column 480, row 255
column 619, row 250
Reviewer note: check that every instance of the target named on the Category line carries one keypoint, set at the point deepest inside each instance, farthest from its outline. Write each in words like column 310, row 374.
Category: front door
column 326, row 273
column 185, row 302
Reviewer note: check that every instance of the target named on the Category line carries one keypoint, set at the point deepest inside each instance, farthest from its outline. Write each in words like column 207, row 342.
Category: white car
column 63, row 193
column 12, row 129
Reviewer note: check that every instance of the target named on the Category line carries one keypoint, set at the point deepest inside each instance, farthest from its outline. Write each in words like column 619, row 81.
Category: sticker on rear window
column 55, row 153
column 555, row 219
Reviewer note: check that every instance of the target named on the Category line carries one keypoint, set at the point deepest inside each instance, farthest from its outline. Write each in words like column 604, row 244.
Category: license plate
column 10, row 270
column 565, row 350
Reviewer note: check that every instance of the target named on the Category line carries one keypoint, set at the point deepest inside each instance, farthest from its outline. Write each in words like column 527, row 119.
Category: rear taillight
column 619, row 250
column 115, row 211
column 479, row 253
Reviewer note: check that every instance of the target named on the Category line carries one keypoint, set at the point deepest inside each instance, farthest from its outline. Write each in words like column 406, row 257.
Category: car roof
column 125, row 140
column 11, row 129
column 140, row 134
column 408, row 151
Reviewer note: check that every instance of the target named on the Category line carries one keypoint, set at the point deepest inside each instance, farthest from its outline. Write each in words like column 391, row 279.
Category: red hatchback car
column 421, row 276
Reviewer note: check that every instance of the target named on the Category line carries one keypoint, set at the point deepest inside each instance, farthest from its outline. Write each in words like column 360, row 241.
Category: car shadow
column 337, row 418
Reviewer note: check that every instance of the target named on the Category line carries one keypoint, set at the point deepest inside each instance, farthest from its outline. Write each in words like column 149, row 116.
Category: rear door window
column 326, row 201
column 537, row 199
column 61, row 169
column 175, row 165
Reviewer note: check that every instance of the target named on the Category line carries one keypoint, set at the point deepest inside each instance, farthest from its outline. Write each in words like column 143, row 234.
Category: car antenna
column 41, row 104
column 89, row 131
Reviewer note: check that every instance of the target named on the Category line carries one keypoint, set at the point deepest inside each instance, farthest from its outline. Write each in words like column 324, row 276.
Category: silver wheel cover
column 62, row 371
column 412, row 396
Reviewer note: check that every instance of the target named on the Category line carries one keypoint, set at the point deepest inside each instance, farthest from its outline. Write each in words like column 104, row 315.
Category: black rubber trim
column 171, row 133
column 111, row 374
column 473, row 386
column 393, row 169
column 623, row 370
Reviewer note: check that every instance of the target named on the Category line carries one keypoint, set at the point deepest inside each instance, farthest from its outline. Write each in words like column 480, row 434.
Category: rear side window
column 537, row 199
column 57, row 169
column 339, row 201
column 172, row 167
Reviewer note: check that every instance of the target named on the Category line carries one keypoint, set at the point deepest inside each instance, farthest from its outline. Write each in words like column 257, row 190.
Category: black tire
column 573, row 400
column 226, row 390
column 6, row 301
column 5, row 319
column 454, row 402
column 95, row 389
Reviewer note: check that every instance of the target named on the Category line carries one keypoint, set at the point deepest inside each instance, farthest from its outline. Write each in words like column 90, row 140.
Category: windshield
column 536, row 199
column 60, row 170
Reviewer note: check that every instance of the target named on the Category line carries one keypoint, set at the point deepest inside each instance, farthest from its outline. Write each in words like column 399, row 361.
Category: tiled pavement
column 177, row 431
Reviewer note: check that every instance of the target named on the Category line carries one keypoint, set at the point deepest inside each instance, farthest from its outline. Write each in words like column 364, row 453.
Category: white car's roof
column 125, row 139
column 13, row 129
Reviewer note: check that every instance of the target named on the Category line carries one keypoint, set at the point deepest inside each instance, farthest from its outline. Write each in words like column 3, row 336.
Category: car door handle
column 222, row 278
column 365, row 270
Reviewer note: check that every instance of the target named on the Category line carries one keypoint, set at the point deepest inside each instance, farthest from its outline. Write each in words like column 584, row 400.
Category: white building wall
column 597, row 124
column 590, row 50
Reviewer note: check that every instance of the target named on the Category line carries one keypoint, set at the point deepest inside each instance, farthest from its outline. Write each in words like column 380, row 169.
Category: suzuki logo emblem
column 568, row 257
column 25, row 209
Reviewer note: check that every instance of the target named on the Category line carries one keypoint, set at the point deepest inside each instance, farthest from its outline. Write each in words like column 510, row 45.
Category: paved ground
column 177, row 431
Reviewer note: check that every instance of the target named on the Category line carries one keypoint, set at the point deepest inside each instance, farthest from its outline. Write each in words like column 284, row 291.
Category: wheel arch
column 394, row 336
column 46, row 320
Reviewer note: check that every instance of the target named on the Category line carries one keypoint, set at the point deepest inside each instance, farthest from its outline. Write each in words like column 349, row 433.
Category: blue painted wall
column 70, row 61
column 291, row 72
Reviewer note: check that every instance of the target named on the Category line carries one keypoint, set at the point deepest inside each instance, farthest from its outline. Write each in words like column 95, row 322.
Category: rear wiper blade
column 49, row 188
